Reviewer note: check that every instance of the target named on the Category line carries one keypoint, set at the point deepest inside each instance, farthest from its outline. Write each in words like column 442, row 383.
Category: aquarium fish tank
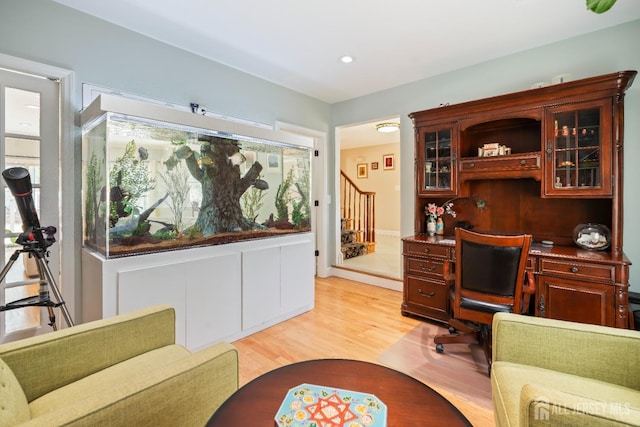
column 159, row 179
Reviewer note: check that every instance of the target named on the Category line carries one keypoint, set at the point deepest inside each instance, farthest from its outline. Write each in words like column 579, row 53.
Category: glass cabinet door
column 578, row 150
column 436, row 161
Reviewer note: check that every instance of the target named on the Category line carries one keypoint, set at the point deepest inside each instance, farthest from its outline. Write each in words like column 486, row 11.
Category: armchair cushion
column 553, row 372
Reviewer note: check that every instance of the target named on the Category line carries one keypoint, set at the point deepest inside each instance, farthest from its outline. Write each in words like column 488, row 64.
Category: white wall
column 384, row 182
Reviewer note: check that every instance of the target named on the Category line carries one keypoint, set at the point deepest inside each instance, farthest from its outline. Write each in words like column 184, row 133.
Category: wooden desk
column 540, row 161
column 409, row 402
column 571, row 283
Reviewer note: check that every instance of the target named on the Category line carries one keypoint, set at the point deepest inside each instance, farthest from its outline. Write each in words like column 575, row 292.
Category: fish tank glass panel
column 157, row 179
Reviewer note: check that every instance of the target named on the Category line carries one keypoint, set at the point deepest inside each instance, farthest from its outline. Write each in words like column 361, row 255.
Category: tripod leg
column 43, row 268
column 8, row 266
column 52, row 318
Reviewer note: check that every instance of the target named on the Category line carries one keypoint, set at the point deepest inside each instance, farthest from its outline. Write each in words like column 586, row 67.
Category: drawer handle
column 429, row 295
column 574, row 269
column 433, row 267
column 426, row 250
column 523, row 162
column 472, row 165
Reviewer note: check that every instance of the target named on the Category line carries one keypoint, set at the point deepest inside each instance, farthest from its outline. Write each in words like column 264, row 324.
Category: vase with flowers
column 433, row 215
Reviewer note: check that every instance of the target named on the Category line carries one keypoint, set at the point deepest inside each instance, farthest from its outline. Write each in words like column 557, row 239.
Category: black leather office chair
column 489, row 277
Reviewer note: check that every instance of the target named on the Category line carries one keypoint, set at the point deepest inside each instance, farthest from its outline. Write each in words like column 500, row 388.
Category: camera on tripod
column 19, row 183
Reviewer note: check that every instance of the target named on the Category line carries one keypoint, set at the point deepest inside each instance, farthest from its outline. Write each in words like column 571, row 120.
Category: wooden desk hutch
column 562, row 166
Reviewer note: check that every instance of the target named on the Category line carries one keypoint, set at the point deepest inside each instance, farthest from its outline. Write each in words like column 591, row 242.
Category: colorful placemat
column 309, row 405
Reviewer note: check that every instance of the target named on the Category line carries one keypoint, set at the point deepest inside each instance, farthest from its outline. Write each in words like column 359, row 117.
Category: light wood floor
column 351, row 320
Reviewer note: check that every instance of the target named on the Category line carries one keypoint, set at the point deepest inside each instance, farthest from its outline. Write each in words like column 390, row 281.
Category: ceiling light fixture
column 346, row 59
column 387, row 127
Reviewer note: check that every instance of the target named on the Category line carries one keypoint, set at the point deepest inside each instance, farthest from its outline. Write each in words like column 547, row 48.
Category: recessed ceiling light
column 346, row 59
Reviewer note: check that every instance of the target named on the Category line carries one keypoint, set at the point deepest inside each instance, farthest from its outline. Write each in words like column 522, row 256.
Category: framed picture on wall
column 273, row 162
column 374, row 166
column 387, row 161
column 362, row 170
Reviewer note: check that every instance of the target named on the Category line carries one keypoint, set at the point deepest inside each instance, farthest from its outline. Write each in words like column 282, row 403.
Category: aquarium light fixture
column 387, row 127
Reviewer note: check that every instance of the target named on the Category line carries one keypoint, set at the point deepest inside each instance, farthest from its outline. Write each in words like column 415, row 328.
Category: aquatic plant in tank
column 156, row 179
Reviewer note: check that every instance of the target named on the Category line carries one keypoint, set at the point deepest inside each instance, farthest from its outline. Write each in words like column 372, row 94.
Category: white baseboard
column 395, row 285
column 391, row 233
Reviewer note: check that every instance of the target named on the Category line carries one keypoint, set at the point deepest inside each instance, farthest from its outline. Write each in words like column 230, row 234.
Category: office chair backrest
column 490, row 269
column 490, row 272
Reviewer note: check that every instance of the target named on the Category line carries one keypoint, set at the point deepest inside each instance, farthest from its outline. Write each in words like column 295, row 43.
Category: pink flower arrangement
column 434, row 211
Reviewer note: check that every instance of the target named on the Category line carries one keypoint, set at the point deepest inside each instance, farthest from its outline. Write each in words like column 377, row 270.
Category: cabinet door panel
column 260, row 286
column 146, row 286
column 575, row 301
column 214, row 287
column 578, row 151
column 436, row 160
column 297, row 276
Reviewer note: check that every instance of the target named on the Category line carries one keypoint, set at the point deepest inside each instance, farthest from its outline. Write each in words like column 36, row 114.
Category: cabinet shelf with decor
column 540, row 161
column 436, row 160
column 579, row 152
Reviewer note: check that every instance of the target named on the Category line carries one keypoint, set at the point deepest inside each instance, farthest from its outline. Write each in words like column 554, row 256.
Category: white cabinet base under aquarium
column 220, row 293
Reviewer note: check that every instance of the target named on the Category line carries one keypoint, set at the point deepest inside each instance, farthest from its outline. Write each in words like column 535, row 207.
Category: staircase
column 357, row 222
column 350, row 246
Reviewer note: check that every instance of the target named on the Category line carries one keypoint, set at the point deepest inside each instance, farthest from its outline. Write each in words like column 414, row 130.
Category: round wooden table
column 409, row 402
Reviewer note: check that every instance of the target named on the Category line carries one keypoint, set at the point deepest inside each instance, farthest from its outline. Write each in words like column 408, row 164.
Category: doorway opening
column 369, row 200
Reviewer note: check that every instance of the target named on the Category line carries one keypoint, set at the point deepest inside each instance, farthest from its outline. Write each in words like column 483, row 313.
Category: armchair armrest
column 542, row 406
column 185, row 392
column 47, row 362
column 591, row 351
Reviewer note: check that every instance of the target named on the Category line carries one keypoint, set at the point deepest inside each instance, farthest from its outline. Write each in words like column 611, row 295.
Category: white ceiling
column 297, row 44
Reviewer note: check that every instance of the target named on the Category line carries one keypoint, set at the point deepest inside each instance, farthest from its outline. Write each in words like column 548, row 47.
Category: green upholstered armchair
column 555, row 373
column 124, row 370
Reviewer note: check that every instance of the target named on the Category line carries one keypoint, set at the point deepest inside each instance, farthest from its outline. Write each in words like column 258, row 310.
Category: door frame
column 69, row 170
column 319, row 192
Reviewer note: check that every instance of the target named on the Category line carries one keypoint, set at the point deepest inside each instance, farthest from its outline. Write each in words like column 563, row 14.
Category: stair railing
column 358, row 208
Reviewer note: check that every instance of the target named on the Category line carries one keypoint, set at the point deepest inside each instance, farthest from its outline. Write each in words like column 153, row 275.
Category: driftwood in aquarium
column 217, row 168
column 136, row 220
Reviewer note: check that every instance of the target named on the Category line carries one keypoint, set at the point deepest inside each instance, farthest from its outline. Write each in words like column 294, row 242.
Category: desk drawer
column 425, row 266
column 425, row 249
column 578, row 270
column 427, row 293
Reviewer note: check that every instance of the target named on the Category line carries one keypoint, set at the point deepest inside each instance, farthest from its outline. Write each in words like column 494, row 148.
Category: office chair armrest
column 449, row 277
column 529, row 283
column 528, row 289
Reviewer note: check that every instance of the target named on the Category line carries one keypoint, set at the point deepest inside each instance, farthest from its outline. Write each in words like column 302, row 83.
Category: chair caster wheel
column 439, row 348
column 452, row 330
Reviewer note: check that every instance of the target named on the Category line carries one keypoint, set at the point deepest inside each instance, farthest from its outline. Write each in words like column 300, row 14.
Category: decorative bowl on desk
column 592, row 236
